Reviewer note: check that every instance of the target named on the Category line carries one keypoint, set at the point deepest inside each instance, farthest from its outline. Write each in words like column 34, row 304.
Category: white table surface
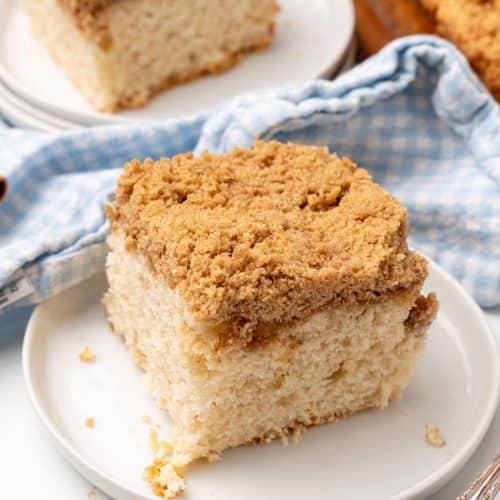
column 32, row 469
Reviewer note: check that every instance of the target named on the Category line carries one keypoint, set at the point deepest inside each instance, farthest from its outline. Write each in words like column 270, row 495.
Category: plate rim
column 23, row 119
column 95, row 117
column 30, row 116
column 106, row 482
column 428, row 485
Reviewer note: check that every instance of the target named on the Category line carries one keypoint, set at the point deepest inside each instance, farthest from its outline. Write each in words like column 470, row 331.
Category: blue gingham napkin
column 414, row 115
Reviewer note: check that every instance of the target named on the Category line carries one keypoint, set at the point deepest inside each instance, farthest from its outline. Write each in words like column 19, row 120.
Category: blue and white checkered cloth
column 414, row 115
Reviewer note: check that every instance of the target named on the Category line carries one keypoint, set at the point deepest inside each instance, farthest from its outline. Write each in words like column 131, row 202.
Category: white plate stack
column 313, row 39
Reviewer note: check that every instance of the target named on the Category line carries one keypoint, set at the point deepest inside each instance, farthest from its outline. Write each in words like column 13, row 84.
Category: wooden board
column 380, row 21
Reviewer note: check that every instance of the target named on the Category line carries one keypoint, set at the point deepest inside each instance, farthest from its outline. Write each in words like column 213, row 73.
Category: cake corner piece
column 280, row 274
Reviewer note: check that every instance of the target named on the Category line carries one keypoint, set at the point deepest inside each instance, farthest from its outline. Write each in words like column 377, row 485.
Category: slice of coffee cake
column 120, row 53
column 262, row 291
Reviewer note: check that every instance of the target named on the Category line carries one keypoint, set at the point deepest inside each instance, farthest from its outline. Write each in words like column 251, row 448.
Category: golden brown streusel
column 474, row 26
column 85, row 16
column 265, row 235
column 422, row 314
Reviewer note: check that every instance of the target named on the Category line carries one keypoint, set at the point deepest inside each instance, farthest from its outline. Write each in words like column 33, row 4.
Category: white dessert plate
column 374, row 454
column 18, row 118
column 311, row 39
column 21, row 114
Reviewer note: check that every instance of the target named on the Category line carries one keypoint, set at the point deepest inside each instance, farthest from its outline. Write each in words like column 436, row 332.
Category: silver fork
column 486, row 486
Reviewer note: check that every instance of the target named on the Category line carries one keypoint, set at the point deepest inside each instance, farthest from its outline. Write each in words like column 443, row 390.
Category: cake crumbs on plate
column 165, row 480
column 433, row 436
column 153, row 440
column 91, row 494
column 90, row 422
column 87, row 356
column 146, row 419
column 164, row 474
column 160, row 449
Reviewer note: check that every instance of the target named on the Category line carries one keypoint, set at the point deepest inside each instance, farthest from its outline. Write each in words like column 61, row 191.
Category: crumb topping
column 87, row 356
column 86, row 16
column 267, row 234
column 474, row 26
column 433, row 436
column 422, row 314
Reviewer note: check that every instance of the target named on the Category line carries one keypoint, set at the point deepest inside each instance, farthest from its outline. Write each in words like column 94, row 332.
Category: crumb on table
column 89, row 422
column 87, row 356
column 433, row 436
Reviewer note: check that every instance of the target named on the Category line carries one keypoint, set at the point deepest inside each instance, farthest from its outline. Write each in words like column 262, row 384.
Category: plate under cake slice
column 120, row 53
column 263, row 291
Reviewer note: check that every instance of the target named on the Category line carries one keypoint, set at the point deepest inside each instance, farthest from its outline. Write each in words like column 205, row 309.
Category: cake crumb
column 213, row 457
column 160, row 449
column 297, row 434
column 91, row 494
column 165, row 480
column 87, row 356
column 171, row 479
column 153, row 441
column 90, row 422
column 146, row 419
column 164, row 449
column 433, row 436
